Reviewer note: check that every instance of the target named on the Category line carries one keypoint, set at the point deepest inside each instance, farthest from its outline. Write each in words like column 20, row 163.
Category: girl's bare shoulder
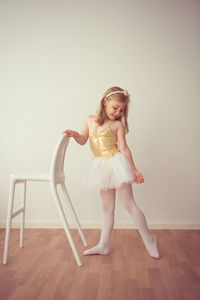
column 91, row 119
column 116, row 125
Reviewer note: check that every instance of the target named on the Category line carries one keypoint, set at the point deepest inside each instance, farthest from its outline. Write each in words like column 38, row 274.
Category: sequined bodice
column 103, row 143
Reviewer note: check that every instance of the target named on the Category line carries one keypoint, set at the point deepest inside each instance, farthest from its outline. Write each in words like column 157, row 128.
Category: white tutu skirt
column 107, row 173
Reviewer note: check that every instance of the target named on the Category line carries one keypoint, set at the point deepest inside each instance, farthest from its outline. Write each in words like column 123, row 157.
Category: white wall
column 57, row 60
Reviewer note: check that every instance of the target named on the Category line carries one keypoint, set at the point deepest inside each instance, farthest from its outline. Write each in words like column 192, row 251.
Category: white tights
column 125, row 194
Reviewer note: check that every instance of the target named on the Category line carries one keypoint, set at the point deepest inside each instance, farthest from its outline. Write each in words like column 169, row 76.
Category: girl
column 112, row 169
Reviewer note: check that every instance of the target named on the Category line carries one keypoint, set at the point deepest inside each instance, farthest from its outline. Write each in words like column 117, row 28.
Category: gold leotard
column 103, row 143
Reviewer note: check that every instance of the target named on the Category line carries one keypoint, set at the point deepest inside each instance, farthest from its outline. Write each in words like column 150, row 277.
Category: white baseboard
column 99, row 225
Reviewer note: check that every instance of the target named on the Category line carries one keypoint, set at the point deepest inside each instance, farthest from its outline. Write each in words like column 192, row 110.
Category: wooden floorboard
column 45, row 268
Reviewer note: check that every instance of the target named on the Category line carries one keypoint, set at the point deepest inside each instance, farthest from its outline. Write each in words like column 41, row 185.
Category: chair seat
column 31, row 176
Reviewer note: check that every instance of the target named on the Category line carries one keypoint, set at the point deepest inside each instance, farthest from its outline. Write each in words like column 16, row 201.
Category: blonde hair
column 120, row 95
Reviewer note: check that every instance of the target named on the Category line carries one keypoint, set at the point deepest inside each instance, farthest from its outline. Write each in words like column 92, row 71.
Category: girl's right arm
column 79, row 138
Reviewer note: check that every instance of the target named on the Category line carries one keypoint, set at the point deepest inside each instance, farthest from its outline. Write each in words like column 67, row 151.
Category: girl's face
column 114, row 108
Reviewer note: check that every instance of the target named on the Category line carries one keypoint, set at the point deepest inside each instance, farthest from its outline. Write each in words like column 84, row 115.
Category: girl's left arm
column 123, row 147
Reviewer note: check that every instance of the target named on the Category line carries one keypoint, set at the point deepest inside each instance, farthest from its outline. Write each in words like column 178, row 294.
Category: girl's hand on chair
column 138, row 178
column 70, row 133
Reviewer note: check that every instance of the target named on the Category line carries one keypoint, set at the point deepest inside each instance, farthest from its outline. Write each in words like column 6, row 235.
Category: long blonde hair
column 101, row 114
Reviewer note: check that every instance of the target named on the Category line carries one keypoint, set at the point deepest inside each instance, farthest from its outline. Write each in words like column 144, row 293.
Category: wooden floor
column 46, row 268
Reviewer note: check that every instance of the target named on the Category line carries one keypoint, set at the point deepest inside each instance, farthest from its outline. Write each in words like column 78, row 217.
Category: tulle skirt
column 106, row 173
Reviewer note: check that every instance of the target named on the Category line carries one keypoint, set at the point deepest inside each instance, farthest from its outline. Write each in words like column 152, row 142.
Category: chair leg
column 9, row 220
column 76, row 218
column 65, row 224
column 23, row 217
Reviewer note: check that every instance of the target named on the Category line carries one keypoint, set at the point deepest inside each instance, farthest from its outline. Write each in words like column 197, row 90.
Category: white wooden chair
column 54, row 177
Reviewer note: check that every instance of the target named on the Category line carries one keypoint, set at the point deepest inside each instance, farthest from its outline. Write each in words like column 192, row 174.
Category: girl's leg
column 126, row 196
column 108, row 204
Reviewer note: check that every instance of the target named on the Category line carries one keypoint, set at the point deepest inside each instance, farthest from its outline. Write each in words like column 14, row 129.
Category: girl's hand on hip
column 138, row 177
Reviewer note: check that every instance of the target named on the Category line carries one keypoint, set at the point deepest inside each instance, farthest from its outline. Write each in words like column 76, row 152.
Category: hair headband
column 115, row 92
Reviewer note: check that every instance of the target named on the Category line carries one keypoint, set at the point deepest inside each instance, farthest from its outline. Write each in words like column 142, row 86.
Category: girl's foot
column 97, row 250
column 152, row 247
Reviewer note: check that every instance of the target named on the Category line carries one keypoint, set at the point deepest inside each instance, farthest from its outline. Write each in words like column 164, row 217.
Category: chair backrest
column 57, row 164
